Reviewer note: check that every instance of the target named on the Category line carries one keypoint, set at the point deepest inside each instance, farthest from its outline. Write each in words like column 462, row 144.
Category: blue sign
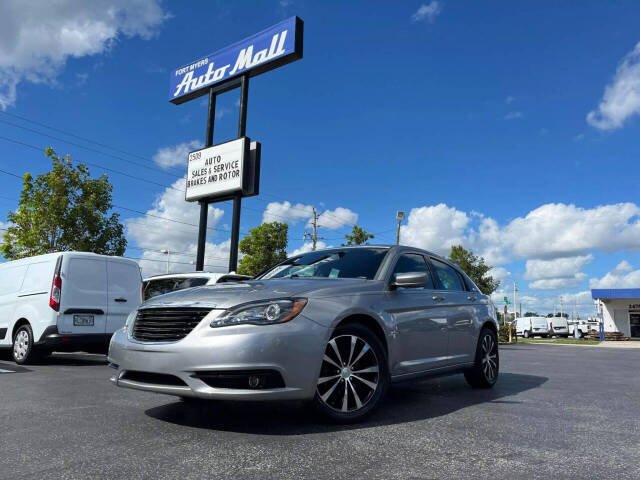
column 264, row 51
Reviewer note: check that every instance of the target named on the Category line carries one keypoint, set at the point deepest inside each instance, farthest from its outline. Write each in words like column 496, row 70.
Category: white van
column 558, row 326
column 531, row 326
column 69, row 301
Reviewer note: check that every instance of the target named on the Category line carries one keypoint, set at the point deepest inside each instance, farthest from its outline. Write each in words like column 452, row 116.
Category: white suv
column 161, row 284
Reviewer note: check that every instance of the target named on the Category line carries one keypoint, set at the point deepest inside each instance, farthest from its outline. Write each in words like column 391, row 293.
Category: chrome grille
column 166, row 324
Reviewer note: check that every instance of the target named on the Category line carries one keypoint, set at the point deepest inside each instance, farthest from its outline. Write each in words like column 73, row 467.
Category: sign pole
column 237, row 199
column 204, row 205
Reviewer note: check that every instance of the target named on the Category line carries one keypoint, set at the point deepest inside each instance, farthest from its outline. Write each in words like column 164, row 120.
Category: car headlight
column 262, row 313
column 128, row 324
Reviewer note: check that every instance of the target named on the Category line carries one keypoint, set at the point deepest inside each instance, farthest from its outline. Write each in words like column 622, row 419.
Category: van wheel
column 484, row 373
column 526, row 334
column 23, row 350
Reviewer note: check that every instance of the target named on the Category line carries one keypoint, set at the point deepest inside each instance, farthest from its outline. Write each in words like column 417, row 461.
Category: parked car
column 531, row 326
column 558, row 326
column 71, row 301
column 161, row 284
column 333, row 326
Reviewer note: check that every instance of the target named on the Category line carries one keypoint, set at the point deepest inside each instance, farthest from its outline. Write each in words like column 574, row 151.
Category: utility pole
column 314, row 234
column 515, row 309
column 400, row 218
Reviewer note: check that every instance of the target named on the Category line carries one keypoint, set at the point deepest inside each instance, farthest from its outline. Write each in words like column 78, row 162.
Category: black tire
column 482, row 374
column 22, row 348
column 526, row 334
column 367, row 353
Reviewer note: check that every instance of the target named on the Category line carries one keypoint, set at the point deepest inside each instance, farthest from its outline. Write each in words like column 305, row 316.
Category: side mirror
column 410, row 280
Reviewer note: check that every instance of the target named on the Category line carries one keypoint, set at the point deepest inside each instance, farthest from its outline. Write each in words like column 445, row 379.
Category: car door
column 124, row 292
column 458, row 306
column 420, row 327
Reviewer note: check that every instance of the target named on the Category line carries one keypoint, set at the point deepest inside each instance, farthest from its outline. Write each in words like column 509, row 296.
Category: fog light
column 255, row 381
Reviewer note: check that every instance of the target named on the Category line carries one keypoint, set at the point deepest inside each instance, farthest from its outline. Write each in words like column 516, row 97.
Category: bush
column 503, row 333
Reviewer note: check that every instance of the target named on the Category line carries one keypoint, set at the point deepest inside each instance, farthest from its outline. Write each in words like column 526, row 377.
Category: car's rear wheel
column 484, row 373
column 526, row 334
column 354, row 375
column 23, row 349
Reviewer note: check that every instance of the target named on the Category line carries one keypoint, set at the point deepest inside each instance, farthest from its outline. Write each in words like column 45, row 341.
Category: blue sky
column 474, row 117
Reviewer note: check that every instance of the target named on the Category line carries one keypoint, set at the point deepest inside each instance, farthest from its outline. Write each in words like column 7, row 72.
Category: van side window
column 38, row 278
column 446, row 276
column 11, row 279
column 412, row 262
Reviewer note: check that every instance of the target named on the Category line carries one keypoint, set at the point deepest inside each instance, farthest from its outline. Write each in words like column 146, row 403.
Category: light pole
column 168, row 254
column 400, row 218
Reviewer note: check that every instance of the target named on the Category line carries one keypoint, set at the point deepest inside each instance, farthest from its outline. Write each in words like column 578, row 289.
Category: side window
column 411, row 262
column 447, row 277
column 38, row 278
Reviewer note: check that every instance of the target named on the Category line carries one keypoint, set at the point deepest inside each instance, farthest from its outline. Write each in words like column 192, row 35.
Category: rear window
column 153, row 288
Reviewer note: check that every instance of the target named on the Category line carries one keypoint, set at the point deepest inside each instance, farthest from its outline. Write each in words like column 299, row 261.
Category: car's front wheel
column 484, row 373
column 354, row 375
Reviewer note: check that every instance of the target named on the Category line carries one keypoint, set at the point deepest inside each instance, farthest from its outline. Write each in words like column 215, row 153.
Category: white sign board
column 216, row 171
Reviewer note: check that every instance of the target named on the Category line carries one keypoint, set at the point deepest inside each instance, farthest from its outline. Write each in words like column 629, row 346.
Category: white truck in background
column 69, row 301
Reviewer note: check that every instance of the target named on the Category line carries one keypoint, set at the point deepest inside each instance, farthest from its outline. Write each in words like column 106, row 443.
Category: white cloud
column 500, row 273
column 175, row 155
column 621, row 99
column 37, row 37
column 557, row 283
column 307, row 247
column 435, row 228
column 155, row 234
column 509, row 100
column 558, row 230
column 289, row 213
column 623, row 276
column 338, row 218
column 557, row 273
column 513, row 115
column 286, row 212
column 550, row 231
column 428, row 12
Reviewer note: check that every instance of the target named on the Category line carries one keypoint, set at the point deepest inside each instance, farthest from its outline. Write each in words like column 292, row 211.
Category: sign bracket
column 243, row 84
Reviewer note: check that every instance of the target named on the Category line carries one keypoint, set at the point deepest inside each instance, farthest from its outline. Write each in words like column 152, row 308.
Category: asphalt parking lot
column 556, row 412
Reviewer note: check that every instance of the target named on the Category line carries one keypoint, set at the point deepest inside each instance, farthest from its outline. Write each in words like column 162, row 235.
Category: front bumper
column 293, row 349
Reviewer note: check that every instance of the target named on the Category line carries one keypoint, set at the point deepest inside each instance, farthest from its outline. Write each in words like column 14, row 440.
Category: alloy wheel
column 489, row 357
column 349, row 375
column 21, row 345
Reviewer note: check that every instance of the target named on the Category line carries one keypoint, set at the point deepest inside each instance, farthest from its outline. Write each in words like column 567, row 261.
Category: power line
column 85, row 147
column 85, row 139
column 39, row 149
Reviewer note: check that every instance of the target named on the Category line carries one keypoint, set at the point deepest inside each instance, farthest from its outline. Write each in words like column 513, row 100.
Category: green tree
column 265, row 246
column 63, row 210
column 358, row 236
column 531, row 314
column 474, row 267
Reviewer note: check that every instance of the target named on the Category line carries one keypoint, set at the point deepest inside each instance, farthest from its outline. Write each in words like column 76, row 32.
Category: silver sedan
column 334, row 326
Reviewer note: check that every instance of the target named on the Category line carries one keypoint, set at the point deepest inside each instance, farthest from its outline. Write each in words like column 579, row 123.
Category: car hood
column 228, row 295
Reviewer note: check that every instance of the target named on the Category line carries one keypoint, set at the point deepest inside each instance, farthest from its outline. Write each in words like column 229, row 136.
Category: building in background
column 619, row 309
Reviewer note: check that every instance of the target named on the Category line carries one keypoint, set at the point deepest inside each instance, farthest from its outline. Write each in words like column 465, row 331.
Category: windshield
column 334, row 263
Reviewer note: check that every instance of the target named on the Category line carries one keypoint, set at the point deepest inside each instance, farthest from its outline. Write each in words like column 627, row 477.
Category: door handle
column 120, row 300
column 437, row 298
column 471, row 299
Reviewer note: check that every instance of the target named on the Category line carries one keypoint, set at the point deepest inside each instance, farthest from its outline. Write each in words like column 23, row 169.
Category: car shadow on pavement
column 404, row 403
column 74, row 359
